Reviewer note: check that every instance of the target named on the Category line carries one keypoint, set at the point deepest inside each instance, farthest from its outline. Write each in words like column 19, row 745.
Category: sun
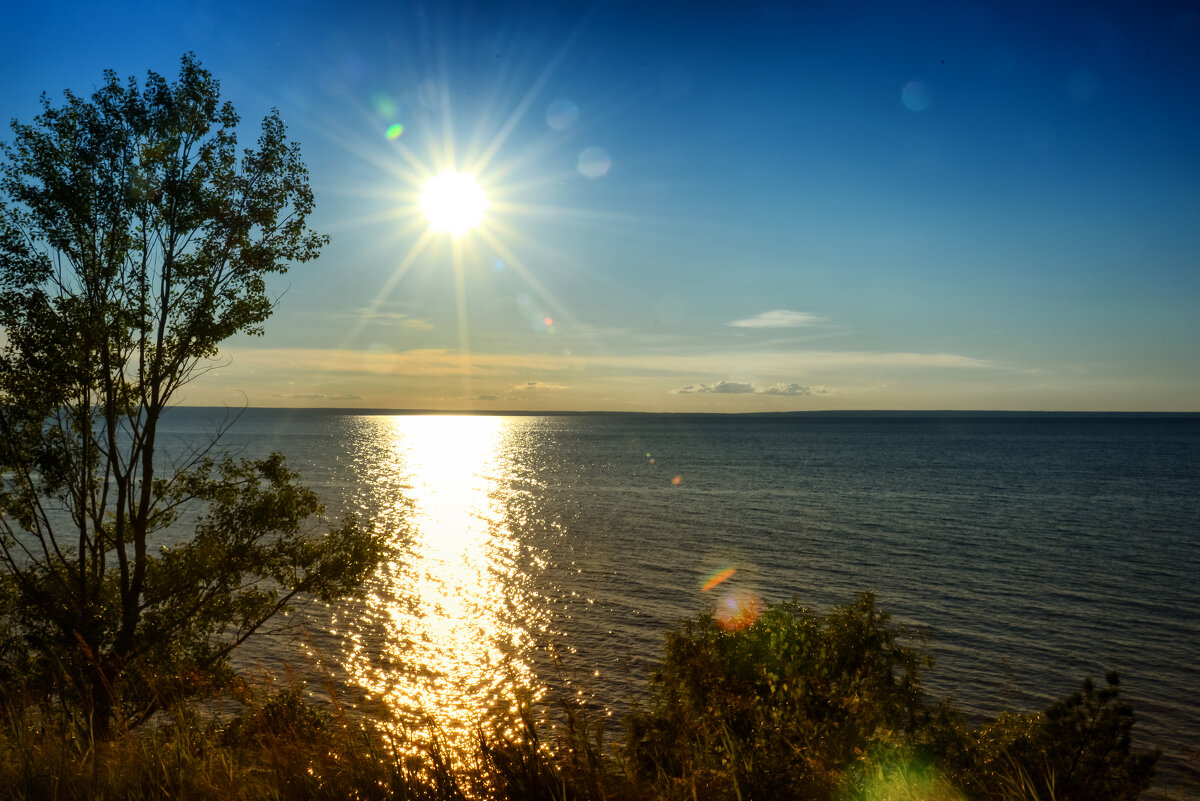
column 453, row 202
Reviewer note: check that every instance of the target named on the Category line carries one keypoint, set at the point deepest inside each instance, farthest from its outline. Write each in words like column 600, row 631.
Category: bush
column 781, row 708
column 1078, row 749
column 793, row 705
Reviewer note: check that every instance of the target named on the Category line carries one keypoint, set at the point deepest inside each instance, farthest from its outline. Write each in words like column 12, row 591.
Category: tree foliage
column 134, row 239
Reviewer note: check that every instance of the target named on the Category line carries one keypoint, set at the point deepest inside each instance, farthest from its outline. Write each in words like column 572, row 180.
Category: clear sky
column 704, row 207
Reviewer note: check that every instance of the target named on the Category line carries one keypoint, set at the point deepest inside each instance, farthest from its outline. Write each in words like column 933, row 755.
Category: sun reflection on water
column 445, row 637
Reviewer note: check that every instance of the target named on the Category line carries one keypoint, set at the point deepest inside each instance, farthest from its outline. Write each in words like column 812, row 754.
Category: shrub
column 780, row 708
column 1079, row 749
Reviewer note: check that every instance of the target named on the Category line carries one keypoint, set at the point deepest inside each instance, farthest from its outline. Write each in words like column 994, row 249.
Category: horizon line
column 610, row 412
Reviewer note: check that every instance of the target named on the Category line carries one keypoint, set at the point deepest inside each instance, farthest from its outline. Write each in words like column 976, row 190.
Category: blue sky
column 757, row 207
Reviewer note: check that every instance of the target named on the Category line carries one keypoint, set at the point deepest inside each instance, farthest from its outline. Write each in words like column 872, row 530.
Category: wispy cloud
column 792, row 389
column 747, row 388
column 416, row 324
column 529, row 386
column 779, row 318
column 394, row 317
column 719, row 388
column 317, row 396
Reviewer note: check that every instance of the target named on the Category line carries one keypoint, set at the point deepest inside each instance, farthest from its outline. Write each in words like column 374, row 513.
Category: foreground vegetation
column 794, row 705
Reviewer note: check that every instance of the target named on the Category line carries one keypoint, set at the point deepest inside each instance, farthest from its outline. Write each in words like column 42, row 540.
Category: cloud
column 747, row 388
column 317, row 396
column 720, row 388
column 416, row 324
column 785, row 389
column 537, row 385
column 384, row 316
column 779, row 318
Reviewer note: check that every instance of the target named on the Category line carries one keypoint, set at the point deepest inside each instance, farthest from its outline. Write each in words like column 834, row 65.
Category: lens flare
column 916, row 96
column 394, row 131
column 903, row 779
column 717, row 578
column 738, row 610
column 562, row 114
column 384, row 105
column 430, row 94
column 594, row 162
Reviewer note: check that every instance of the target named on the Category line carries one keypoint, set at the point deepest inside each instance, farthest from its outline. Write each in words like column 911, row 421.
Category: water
column 1035, row 550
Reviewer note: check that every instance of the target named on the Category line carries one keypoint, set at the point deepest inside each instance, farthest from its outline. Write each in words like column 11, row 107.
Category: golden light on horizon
column 453, row 202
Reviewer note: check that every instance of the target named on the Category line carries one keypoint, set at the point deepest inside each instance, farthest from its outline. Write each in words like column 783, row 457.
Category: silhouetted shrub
column 780, row 708
column 1079, row 749
column 796, row 705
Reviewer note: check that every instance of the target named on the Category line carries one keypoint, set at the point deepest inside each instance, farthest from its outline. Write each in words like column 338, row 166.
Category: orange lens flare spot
column 677, row 480
column 738, row 611
column 717, row 578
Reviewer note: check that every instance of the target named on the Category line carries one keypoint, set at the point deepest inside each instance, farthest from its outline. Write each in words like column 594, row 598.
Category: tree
column 133, row 241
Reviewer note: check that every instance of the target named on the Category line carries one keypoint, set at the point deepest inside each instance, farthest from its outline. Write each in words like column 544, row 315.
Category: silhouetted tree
column 134, row 239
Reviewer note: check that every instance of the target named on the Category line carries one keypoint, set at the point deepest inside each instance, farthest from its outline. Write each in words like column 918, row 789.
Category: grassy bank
column 788, row 704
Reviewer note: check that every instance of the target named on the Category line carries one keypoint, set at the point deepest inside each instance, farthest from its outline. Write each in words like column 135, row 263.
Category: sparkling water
column 530, row 552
